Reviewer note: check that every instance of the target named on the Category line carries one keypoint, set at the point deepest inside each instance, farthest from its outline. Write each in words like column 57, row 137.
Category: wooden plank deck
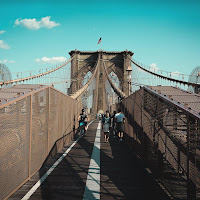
column 122, row 175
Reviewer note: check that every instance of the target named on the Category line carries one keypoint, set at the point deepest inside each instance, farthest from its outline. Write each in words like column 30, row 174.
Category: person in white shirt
column 120, row 119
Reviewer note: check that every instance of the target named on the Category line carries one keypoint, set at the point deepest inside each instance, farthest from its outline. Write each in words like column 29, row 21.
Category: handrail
column 165, row 77
column 35, row 76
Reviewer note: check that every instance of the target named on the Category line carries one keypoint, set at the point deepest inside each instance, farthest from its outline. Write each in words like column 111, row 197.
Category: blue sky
column 166, row 34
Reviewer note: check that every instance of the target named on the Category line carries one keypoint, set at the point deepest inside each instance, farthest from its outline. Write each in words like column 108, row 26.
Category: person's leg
column 119, row 130
column 117, row 133
column 81, row 132
column 105, row 136
column 80, row 129
column 85, row 125
column 121, row 136
column 113, row 130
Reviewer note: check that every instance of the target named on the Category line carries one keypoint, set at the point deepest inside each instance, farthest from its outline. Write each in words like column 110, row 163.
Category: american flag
column 99, row 40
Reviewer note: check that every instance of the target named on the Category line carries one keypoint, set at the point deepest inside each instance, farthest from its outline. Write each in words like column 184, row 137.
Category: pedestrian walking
column 114, row 124
column 106, row 120
column 120, row 119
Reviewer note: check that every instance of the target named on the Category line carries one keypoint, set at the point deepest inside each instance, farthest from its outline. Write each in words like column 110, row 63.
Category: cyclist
column 83, row 118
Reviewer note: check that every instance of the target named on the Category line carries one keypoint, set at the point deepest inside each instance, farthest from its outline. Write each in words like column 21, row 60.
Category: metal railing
column 166, row 136
column 30, row 126
column 35, row 76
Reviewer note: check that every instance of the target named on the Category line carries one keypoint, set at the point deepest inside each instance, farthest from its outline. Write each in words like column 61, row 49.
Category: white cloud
column 176, row 73
column 1, row 32
column 33, row 24
column 11, row 61
column 51, row 60
column 153, row 67
column 7, row 61
column 37, row 60
column 3, row 45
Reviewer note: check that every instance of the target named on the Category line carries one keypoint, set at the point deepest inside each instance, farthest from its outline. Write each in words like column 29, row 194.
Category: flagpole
column 101, row 44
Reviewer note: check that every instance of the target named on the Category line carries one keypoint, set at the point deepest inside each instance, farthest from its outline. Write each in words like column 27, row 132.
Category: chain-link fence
column 166, row 135
column 30, row 127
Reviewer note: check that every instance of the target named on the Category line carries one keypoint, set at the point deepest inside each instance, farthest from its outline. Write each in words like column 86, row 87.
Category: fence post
column 142, row 129
column 48, row 121
column 30, row 136
column 191, row 188
column 142, row 132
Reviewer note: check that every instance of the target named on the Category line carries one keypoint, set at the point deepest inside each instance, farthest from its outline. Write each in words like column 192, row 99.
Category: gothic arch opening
column 111, row 96
column 87, row 98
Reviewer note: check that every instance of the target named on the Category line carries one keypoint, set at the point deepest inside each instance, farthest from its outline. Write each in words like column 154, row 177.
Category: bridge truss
column 166, row 130
column 142, row 75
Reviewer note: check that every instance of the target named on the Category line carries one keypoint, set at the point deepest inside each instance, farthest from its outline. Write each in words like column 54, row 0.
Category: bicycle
column 82, row 129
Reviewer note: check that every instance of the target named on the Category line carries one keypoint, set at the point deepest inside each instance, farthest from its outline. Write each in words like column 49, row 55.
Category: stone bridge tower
column 84, row 61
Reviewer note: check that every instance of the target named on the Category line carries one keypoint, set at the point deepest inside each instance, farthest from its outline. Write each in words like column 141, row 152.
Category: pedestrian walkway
column 92, row 169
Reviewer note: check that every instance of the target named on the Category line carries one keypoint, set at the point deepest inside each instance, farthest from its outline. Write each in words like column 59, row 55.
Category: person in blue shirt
column 120, row 119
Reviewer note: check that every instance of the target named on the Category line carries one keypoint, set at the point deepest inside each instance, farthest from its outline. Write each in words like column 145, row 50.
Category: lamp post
column 129, row 70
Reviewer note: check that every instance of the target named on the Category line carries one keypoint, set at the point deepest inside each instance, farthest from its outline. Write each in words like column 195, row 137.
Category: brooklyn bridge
column 43, row 156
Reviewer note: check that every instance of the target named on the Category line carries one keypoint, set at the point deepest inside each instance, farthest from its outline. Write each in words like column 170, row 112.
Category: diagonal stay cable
column 115, row 88
column 80, row 91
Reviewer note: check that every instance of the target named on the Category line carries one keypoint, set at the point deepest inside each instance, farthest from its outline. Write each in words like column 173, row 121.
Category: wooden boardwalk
column 122, row 175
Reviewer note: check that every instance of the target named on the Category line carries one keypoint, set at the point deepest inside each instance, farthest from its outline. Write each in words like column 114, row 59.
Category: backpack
column 107, row 120
column 82, row 118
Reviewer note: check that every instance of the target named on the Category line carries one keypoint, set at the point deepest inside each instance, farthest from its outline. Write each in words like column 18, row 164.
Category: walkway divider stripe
column 37, row 185
column 92, row 188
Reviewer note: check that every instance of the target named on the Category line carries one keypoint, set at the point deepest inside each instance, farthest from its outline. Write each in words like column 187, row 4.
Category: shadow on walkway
column 122, row 174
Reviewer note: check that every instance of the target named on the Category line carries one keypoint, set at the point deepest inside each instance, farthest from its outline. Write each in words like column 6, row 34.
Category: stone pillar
column 85, row 61
column 101, row 105
column 74, row 71
column 127, row 62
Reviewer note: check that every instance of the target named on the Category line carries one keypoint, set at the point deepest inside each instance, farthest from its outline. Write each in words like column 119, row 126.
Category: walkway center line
column 92, row 188
column 37, row 185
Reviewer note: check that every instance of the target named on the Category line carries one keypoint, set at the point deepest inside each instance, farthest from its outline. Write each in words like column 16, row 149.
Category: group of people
column 114, row 123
